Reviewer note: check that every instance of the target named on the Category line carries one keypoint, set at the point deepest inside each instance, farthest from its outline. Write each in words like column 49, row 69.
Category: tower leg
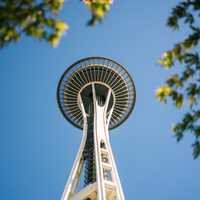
column 98, row 128
column 106, row 167
column 75, row 173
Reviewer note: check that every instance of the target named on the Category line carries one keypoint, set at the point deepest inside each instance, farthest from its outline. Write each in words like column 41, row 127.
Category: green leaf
column 179, row 101
column 196, row 149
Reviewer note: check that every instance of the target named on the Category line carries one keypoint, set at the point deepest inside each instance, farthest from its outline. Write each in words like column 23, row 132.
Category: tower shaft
column 94, row 159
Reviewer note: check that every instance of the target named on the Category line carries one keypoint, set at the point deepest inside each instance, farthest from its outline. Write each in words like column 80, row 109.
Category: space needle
column 95, row 94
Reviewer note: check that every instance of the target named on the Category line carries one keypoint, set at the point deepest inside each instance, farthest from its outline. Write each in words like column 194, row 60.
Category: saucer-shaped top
column 100, row 71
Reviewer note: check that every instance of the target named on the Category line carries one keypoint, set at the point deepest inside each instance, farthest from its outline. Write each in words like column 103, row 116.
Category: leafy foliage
column 39, row 19
column 34, row 18
column 98, row 9
column 183, row 87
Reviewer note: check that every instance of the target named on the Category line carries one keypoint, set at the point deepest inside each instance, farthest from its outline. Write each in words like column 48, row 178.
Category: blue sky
column 38, row 146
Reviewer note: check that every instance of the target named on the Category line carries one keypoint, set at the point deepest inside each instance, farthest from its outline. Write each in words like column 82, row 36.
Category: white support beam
column 85, row 192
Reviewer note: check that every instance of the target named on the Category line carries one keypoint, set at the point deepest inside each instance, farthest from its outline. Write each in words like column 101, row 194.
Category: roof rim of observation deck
column 75, row 66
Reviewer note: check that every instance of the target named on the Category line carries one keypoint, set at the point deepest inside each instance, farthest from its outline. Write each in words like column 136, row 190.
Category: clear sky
column 38, row 146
